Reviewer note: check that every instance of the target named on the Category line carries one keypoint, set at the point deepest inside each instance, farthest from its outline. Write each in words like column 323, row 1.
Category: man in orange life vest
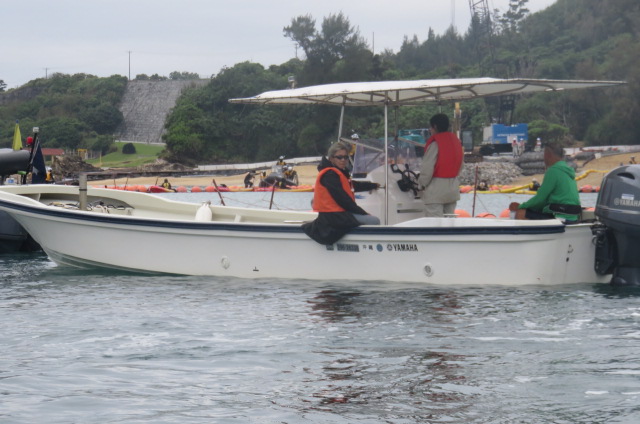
column 334, row 200
column 441, row 166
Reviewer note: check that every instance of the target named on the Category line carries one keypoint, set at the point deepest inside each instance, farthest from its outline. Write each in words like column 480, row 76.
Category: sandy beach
column 307, row 175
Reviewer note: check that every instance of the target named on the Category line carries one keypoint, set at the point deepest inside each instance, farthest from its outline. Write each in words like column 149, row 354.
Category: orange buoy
column 131, row 188
column 596, row 189
column 486, row 215
column 142, row 189
column 210, row 189
column 196, row 189
column 505, row 213
column 590, row 209
column 181, row 189
column 461, row 213
column 465, row 189
column 586, row 189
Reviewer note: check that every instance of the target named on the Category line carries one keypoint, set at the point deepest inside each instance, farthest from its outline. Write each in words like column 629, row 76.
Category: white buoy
column 204, row 212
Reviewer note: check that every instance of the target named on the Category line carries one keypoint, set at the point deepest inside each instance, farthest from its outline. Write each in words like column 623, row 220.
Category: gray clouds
column 41, row 37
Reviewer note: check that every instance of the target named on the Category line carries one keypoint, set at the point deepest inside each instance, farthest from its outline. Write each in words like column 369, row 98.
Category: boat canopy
column 412, row 92
column 415, row 92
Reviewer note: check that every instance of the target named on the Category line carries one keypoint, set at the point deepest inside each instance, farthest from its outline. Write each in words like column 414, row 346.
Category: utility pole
column 483, row 32
column 453, row 13
column 129, row 65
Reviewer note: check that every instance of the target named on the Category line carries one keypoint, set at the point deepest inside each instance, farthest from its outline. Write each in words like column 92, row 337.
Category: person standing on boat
column 441, row 166
column 334, row 198
column 557, row 196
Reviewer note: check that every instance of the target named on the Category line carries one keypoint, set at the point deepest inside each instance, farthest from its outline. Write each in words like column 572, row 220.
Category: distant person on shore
column 514, row 147
column 248, row 179
column 535, row 185
column 166, row 184
column 482, row 186
column 538, row 146
column 334, row 198
column 440, row 168
column 558, row 195
column 49, row 176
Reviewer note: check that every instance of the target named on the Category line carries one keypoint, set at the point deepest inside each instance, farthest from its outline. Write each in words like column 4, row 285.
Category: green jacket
column 558, row 186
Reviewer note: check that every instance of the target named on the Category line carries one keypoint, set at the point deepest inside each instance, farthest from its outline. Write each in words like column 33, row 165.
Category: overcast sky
column 131, row 37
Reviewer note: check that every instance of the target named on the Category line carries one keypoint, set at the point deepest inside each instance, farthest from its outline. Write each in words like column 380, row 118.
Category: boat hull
column 12, row 235
column 448, row 251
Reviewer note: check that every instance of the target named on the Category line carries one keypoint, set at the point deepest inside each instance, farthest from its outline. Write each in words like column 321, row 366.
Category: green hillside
column 145, row 153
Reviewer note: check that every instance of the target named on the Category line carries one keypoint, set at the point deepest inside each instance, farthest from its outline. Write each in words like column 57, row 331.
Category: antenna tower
column 483, row 30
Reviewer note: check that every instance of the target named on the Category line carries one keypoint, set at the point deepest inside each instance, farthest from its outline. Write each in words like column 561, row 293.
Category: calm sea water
column 103, row 347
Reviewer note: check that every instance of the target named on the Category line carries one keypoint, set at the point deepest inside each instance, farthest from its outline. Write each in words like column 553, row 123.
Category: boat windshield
column 369, row 154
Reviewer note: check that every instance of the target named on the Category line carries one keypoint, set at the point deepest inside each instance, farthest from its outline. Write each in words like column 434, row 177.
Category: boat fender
column 204, row 212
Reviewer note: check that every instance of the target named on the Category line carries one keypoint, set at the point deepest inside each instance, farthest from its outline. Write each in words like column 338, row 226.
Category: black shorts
column 531, row 214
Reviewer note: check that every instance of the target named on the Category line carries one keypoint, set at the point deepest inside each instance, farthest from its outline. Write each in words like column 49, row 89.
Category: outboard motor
column 618, row 242
column 12, row 161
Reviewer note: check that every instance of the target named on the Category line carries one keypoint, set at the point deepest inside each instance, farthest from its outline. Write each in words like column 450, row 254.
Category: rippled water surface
column 96, row 347
column 99, row 347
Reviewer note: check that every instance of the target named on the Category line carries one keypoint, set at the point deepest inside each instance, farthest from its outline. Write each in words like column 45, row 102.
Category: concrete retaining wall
column 145, row 106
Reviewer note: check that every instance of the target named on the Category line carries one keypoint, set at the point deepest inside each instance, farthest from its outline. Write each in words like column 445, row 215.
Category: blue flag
column 38, row 170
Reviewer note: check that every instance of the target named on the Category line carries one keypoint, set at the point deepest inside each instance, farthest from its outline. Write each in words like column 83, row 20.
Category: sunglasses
column 341, row 157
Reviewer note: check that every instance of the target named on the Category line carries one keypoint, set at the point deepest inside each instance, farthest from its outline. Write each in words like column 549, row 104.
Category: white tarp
column 397, row 93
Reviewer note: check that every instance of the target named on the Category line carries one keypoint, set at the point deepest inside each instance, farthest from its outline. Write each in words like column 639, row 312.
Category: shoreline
column 307, row 176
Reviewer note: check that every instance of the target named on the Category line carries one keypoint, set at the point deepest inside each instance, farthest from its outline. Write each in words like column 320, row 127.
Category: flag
column 17, row 138
column 39, row 169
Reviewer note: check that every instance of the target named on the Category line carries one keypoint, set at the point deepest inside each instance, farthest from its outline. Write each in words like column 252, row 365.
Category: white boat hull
column 448, row 251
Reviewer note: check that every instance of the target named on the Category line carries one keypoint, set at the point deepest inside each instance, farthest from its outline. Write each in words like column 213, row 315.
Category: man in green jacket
column 558, row 195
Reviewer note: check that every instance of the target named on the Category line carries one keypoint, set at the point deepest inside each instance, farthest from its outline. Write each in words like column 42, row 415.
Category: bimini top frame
column 413, row 93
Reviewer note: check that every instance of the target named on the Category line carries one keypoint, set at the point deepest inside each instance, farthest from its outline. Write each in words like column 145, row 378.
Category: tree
column 175, row 75
column 335, row 53
column 513, row 17
column 103, row 118
column 129, row 149
column 3, row 85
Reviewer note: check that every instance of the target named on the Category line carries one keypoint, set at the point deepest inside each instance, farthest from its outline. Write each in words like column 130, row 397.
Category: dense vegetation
column 73, row 111
column 572, row 39
column 118, row 158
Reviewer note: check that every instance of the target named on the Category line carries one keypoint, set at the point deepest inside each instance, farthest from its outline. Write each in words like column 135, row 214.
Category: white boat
column 13, row 237
column 145, row 233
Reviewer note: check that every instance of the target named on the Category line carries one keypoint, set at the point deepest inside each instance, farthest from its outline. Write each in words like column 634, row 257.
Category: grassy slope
column 145, row 153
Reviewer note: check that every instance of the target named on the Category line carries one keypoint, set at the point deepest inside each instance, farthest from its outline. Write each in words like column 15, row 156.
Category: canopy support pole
column 386, row 163
column 341, row 120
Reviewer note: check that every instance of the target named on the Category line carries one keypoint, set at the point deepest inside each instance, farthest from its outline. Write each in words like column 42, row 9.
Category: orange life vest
column 322, row 199
column 449, row 154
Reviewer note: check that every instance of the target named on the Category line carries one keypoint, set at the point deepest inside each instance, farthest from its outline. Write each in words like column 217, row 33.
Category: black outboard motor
column 13, row 161
column 618, row 242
